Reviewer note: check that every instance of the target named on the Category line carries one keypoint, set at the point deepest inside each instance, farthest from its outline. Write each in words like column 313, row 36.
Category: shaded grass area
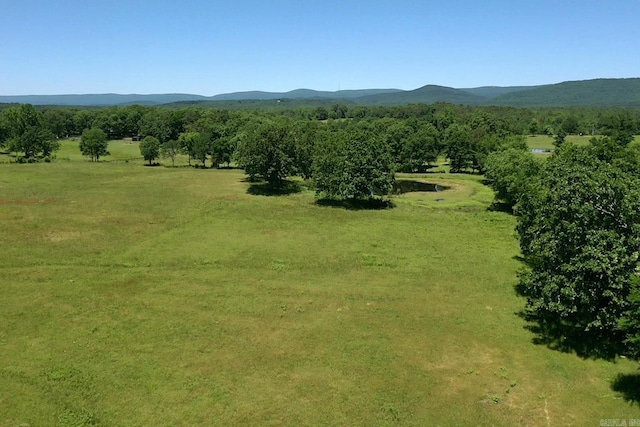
column 266, row 189
column 628, row 386
column 357, row 204
column 142, row 296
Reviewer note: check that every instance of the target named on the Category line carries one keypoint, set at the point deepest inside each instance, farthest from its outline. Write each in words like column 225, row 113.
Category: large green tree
column 423, row 147
column 510, row 173
column 353, row 164
column 170, row 149
column 202, row 147
column 579, row 229
column 186, row 141
column 459, row 147
column 150, row 148
column 94, row 144
column 27, row 134
column 268, row 152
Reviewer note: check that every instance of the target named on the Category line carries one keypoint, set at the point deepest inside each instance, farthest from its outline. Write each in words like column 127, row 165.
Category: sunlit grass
column 158, row 296
column 546, row 142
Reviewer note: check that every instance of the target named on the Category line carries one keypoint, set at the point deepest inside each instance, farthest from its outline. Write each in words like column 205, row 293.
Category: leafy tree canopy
column 510, row 172
column 356, row 164
column 94, row 143
column 268, row 152
column 150, row 148
column 27, row 133
column 579, row 228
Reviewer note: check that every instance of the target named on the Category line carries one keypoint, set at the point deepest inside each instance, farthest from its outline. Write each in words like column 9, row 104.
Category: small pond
column 403, row 186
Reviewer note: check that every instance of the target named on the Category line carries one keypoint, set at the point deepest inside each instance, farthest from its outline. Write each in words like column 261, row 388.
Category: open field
column 546, row 142
column 172, row 296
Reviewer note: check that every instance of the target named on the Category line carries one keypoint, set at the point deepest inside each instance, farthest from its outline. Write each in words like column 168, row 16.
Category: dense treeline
column 127, row 121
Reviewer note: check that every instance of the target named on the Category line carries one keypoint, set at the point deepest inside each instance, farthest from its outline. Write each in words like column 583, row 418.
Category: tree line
column 32, row 132
column 167, row 123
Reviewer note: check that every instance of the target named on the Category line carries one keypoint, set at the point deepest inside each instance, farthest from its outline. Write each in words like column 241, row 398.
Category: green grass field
column 137, row 295
column 546, row 142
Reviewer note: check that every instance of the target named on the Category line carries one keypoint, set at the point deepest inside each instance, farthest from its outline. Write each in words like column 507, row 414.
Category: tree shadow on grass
column 265, row 189
column 523, row 261
column 500, row 207
column 559, row 336
column 356, row 204
column 628, row 385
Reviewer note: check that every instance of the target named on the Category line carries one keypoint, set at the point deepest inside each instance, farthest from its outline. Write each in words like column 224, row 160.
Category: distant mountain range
column 596, row 92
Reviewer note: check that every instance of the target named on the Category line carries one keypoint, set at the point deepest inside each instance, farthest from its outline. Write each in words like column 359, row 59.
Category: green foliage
column 186, row 141
column 150, row 148
column 94, row 144
column 559, row 139
column 459, row 147
column 305, row 136
column 414, row 144
column 488, row 144
column 268, row 152
column 579, row 228
column 161, row 123
column 59, row 121
column 630, row 321
column 596, row 92
column 202, row 147
column 356, row 164
column 548, row 130
column 83, row 120
column 170, row 149
column 27, row 134
column 510, row 173
column 222, row 150
column 4, row 130
column 570, row 125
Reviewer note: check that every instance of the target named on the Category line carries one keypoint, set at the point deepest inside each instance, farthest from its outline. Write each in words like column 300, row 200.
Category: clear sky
column 209, row 47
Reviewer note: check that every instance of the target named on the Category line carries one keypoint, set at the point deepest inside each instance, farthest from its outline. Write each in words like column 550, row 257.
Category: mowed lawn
column 136, row 296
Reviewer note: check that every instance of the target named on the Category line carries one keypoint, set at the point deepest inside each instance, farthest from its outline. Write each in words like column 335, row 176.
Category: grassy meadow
column 546, row 142
column 136, row 295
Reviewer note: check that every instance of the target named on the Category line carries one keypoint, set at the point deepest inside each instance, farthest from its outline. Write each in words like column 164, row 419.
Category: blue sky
column 211, row 47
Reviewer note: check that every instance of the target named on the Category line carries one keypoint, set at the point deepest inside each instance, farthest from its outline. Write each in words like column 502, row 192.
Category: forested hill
column 599, row 92
column 424, row 95
column 588, row 93
column 302, row 94
column 585, row 93
column 110, row 99
column 102, row 99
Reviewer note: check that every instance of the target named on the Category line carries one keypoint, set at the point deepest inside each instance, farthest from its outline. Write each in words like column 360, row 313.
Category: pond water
column 409, row 186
